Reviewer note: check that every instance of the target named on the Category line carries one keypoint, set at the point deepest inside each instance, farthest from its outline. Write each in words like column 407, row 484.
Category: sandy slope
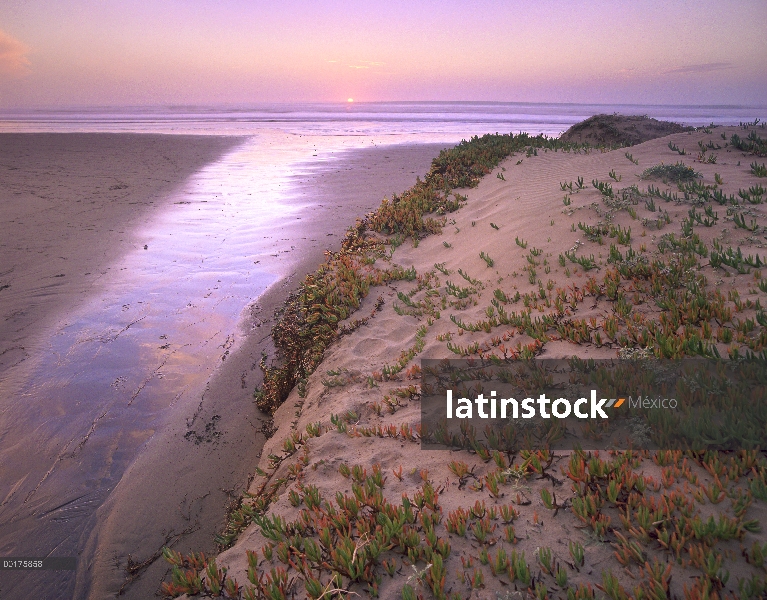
column 526, row 204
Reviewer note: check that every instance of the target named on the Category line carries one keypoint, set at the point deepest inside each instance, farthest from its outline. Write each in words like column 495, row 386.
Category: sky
column 70, row 53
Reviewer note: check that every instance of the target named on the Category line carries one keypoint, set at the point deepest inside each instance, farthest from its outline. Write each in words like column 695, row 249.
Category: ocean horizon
column 411, row 119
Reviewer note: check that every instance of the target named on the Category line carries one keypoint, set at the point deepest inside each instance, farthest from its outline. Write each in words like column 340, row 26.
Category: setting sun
column 350, row 100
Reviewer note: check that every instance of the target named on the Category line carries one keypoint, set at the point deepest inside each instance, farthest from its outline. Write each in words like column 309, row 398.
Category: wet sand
column 69, row 204
column 177, row 490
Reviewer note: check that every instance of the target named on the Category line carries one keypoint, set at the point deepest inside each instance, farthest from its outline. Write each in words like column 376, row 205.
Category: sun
column 350, row 100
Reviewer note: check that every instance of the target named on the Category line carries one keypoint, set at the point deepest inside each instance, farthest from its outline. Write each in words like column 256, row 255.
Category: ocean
column 400, row 121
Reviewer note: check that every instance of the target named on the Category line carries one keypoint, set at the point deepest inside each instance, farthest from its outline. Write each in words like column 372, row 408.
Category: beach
column 96, row 485
column 548, row 222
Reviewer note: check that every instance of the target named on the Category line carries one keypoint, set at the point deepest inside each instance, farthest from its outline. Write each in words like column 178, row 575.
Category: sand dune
column 375, row 418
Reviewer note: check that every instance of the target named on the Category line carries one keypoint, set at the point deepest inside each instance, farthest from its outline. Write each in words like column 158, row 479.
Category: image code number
column 51, row 563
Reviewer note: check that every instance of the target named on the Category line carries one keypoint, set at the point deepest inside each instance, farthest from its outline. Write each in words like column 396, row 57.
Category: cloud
column 704, row 68
column 629, row 72
column 13, row 59
column 366, row 64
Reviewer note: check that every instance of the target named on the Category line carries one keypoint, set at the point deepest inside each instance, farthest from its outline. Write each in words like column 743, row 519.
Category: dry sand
column 526, row 204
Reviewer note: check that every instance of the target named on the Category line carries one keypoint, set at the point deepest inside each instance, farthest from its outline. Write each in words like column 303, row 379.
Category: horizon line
column 346, row 103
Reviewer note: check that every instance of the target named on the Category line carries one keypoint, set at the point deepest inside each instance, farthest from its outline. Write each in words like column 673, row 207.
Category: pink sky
column 126, row 52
